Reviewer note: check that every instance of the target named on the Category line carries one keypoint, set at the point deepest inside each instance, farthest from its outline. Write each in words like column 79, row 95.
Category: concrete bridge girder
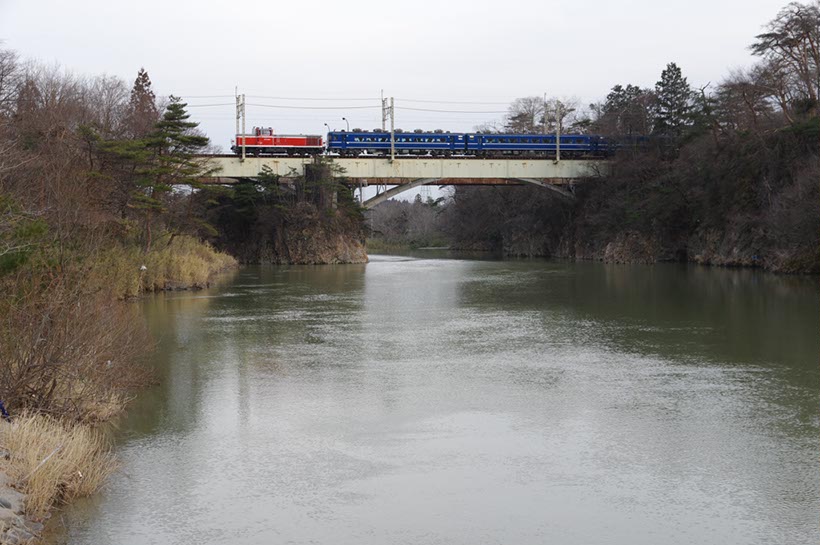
column 373, row 168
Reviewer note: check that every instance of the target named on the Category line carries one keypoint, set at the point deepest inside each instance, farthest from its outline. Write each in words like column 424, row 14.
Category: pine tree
column 673, row 109
column 142, row 107
column 27, row 118
column 173, row 146
column 628, row 109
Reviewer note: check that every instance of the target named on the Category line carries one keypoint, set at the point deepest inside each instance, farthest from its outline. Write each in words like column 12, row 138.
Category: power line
column 452, row 111
column 205, row 96
column 453, row 102
column 312, row 98
column 315, row 107
column 357, row 99
column 209, row 105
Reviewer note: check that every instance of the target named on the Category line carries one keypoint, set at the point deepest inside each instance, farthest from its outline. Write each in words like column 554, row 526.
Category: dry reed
column 54, row 462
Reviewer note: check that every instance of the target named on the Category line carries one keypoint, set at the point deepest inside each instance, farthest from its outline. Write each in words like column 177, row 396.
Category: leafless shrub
column 67, row 349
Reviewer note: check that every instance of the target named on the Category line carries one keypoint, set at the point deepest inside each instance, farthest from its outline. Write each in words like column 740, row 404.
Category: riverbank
column 15, row 527
column 50, row 452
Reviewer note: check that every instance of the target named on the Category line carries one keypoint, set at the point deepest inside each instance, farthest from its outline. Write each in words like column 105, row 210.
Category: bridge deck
column 458, row 171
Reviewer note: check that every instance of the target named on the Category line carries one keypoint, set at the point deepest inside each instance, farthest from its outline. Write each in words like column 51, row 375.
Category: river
column 433, row 400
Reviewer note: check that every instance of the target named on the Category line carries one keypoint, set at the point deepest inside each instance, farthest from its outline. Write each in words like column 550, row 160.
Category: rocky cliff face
column 303, row 236
column 737, row 244
column 312, row 241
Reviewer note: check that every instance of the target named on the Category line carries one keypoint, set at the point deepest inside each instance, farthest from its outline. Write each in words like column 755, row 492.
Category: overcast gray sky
column 477, row 51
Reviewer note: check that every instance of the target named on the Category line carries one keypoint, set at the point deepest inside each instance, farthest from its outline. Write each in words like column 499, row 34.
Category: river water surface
column 420, row 400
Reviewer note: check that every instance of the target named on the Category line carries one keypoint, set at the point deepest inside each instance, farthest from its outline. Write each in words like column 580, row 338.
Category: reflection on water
column 418, row 400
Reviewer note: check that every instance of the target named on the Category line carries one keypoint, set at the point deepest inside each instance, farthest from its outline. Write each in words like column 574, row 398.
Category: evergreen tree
column 173, row 146
column 142, row 107
column 29, row 103
column 627, row 110
column 673, row 109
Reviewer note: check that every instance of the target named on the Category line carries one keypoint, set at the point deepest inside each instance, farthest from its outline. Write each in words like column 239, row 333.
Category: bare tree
column 790, row 48
column 525, row 115
column 534, row 115
column 9, row 81
column 742, row 103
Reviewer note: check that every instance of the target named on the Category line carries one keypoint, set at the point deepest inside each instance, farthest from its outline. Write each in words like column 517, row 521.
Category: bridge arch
column 397, row 190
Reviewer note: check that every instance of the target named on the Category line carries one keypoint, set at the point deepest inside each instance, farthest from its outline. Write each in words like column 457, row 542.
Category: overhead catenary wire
column 357, row 99
column 314, row 98
column 209, row 105
column 284, row 107
column 476, row 103
column 407, row 108
column 451, row 111
column 203, row 96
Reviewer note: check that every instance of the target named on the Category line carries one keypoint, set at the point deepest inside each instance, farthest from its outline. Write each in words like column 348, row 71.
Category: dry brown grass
column 184, row 262
column 80, row 460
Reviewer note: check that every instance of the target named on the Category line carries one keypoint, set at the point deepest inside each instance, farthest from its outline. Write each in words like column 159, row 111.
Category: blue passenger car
column 529, row 144
column 354, row 143
column 469, row 144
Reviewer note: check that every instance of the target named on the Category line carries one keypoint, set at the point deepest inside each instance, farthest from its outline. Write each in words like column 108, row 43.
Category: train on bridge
column 438, row 143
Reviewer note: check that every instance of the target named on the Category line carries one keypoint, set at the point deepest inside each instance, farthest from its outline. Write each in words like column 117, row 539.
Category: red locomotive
column 263, row 142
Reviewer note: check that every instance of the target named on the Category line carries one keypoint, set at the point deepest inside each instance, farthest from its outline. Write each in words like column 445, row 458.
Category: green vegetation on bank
column 313, row 219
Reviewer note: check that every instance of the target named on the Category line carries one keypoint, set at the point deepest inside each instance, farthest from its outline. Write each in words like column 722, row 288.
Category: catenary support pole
column 557, row 130
column 546, row 153
column 384, row 112
column 392, row 130
column 244, row 139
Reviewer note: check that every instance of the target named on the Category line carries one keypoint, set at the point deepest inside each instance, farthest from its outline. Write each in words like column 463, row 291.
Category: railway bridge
column 406, row 173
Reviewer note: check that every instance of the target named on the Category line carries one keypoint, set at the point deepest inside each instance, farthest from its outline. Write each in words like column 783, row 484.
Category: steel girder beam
column 381, row 197
column 551, row 186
